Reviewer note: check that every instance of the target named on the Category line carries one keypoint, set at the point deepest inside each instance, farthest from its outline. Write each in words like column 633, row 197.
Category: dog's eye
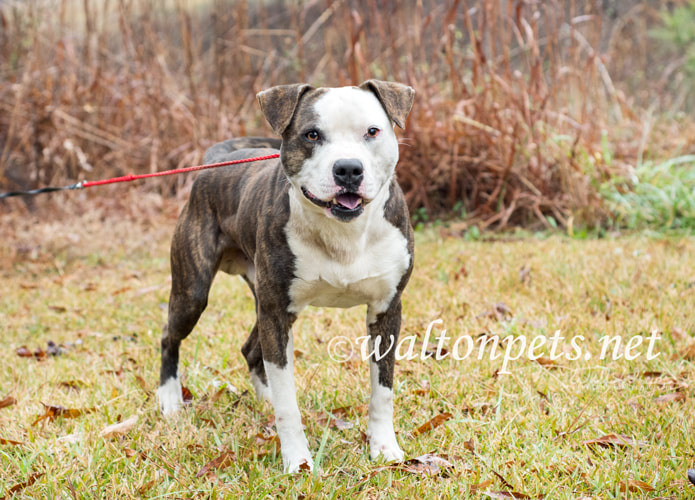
column 313, row 135
column 372, row 132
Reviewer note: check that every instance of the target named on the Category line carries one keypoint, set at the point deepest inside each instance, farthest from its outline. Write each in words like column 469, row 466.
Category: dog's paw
column 385, row 445
column 299, row 465
column 296, row 456
column 170, row 397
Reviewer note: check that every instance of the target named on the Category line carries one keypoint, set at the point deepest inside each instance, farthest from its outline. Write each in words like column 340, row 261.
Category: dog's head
column 338, row 145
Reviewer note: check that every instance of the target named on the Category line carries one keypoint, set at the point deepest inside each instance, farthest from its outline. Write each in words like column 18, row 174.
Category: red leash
column 128, row 178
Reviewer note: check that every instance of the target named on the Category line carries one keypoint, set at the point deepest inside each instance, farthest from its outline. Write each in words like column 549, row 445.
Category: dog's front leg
column 278, row 353
column 383, row 333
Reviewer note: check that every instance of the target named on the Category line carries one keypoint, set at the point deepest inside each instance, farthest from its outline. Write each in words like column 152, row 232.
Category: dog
column 325, row 225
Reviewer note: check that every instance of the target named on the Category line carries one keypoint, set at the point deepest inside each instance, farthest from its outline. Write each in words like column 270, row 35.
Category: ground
column 96, row 285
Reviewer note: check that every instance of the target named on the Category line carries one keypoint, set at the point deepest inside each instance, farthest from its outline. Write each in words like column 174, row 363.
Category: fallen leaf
column 546, row 362
column 614, row 441
column 18, row 487
column 10, row 441
column 8, row 401
column 74, row 385
column 187, row 395
column 120, row 428
column 688, row 353
column 24, row 352
column 481, row 485
column 58, row 309
column 53, row 349
column 335, row 422
column 222, row 461
column 432, row 424
column 428, row 464
column 72, row 438
column 53, row 412
column 469, row 445
column 635, row 485
column 674, row 397
column 482, row 408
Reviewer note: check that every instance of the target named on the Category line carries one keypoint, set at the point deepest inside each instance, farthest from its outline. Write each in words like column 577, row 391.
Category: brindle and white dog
column 326, row 225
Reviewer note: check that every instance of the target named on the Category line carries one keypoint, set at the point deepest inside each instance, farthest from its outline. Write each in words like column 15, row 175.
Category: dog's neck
column 341, row 241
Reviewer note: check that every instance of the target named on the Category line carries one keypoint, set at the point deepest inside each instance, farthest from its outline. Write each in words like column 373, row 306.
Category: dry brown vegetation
column 523, row 108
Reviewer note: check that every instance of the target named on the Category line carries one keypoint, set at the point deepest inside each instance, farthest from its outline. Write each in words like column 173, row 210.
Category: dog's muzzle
column 345, row 206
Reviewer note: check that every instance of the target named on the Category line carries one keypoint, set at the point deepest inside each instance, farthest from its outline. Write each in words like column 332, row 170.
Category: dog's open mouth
column 344, row 206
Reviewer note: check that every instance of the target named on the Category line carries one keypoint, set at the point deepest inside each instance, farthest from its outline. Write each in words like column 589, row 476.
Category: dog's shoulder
column 396, row 212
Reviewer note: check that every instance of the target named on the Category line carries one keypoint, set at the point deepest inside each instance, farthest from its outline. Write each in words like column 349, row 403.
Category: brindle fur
column 236, row 216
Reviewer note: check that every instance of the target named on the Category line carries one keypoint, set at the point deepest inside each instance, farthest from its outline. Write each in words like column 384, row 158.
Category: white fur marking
column 288, row 421
column 344, row 116
column 169, row 396
column 262, row 390
column 382, row 437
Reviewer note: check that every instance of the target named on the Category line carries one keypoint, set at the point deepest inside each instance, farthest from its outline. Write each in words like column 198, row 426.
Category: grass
column 99, row 284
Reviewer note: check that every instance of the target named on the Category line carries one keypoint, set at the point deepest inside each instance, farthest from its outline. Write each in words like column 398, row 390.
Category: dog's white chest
column 366, row 270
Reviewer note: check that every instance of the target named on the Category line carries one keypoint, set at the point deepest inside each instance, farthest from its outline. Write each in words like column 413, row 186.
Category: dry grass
column 523, row 108
column 98, row 285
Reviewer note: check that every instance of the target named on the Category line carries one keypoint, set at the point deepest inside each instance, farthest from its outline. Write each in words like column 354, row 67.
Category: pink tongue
column 348, row 200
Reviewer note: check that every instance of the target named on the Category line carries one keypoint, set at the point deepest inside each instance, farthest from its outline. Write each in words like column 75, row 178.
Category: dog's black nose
column 348, row 173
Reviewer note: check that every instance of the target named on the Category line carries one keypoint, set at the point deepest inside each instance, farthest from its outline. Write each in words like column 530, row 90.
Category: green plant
column 659, row 195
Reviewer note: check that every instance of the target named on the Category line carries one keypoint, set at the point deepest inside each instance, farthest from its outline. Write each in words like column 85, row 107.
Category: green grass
column 104, row 284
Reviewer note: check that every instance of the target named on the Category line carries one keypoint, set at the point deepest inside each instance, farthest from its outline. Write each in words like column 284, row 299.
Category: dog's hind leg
column 194, row 262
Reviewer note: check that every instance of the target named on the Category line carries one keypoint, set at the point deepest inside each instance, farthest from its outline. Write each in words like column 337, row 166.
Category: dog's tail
column 222, row 149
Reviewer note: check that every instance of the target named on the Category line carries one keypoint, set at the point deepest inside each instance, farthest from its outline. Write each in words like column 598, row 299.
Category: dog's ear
column 396, row 98
column 278, row 104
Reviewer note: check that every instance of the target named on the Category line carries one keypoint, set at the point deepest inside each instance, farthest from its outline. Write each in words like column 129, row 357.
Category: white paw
column 296, row 456
column 385, row 444
column 298, row 464
column 262, row 390
column 169, row 396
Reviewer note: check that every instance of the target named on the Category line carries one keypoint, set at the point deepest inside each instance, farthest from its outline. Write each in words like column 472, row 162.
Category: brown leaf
column 222, row 461
column 482, row 408
column 469, row 445
column 335, row 422
column 120, row 428
column 120, row 291
column 58, row 309
column 187, row 395
column 432, row 424
column 24, row 352
column 18, row 487
column 688, row 353
column 481, row 485
column 8, row 401
column 74, row 385
column 546, row 362
column 53, row 412
column 674, row 397
column 428, row 464
column 10, row 441
column 614, row 441
column 635, row 485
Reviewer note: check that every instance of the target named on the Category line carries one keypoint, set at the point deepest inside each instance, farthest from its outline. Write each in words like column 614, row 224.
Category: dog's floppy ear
column 396, row 98
column 278, row 104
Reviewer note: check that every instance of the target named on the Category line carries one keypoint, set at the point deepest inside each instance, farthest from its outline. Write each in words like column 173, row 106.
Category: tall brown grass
column 517, row 118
